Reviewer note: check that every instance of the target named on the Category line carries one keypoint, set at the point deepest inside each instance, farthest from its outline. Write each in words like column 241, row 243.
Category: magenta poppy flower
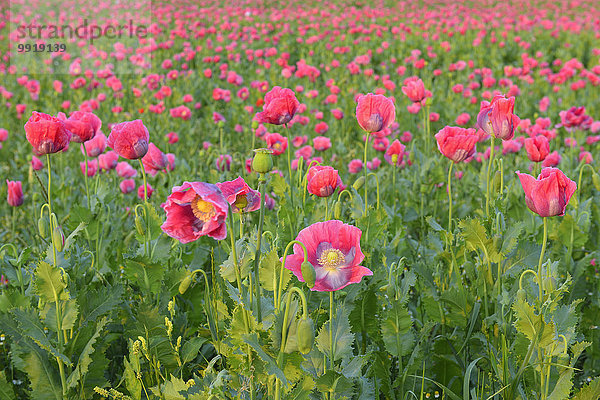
column 127, row 186
column 108, row 160
column 15, row 193
column 129, row 139
column 375, row 112
column 457, row 143
column 36, row 163
column 124, row 170
column 537, row 148
column 195, row 209
column 355, row 166
column 154, row 160
column 83, row 125
column 551, row 160
column 141, row 194
column 334, row 252
column 575, row 117
column 549, row 194
column 397, row 150
column 47, row 134
column 96, row 145
column 279, row 108
column 240, row 195
column 414, row 89
column 321, row 143
column 322, row 180
column 497, row 117
column 277, row 143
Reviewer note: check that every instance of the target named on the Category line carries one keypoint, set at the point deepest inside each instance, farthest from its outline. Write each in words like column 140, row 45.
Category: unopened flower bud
column 262, row 162
column 306, row 335
column 43, row 226
column 308, row 274
column 58, row 237
column 337, row 210
column 359, row 183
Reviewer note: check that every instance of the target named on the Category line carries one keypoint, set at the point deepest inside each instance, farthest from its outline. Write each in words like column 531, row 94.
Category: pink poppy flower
column 47, row 134
column 456, row 143
column 277, row 143
column 124, row 170
column 551, row 160
column 15, row 193
column 414, row 89
column 334, row 252
column 497, row 117
column 537, row 148
column 92, row 167
column 240, row 195
column 375, row 112
column 83, row 126
column 108, row 160
column 127, row 186
column 129, row 139
column 395, row 153
column 154, row 160
column 279, row 107
column 95, row 146
column 322, row 180
column 140, row 191
column 195, row 209
column 223, row 162
column 355, row 166
column 321, row 143
column 36, row 163
column 549, row 194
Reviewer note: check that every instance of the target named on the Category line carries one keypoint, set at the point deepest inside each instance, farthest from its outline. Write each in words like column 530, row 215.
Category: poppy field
column 310, row 200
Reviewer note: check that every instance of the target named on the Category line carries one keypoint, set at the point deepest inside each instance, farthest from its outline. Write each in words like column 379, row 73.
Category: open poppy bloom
column 240, row 195
column 334, row 252
column 279, row 108
column 375, row 112
column 195, row 209
column 497, row 117
column 549, row 194
column 322, row 180
column 457, row 143
column 47, row 134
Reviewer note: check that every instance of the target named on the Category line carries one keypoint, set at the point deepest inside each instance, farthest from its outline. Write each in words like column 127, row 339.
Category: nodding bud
column 139, row 226
column 43, row 226
column 58, row 237
column 596, row 180
column 359, row 183
column 185, row 284
column 497, row 182
column 262, row 161
column 305, row 335
column 221, row 124
column 308, row 274
column 337, row 210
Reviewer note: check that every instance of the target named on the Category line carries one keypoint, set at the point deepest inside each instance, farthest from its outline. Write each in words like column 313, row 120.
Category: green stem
column 540, row 276
column 285, row 254
column 377, row 183
column 487, row 186
column 85, row 175
column 450, row 196
column 365, row 169
column 147, row 214
column 289, row 159
column 331, row 357
column 262, row 183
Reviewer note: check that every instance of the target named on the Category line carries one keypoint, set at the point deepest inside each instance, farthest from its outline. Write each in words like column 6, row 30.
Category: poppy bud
column 308, row 274
column 43, row 226
column 262, row 162
column 221, row 124
column 58, row 238
column 521, row 295
column 337, row 210
column 358, row 183
column 254, row 125
column 185, row 284
column 596, row 180
column 497, row 182
column 306, row 335
column 139, row 225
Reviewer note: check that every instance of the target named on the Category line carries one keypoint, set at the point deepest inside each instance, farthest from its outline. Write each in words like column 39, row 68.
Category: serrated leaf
column 342, row 336
column 245, row 257
column 476, row 238
column 68, row 310
column 511, row 237
column 270, row 268
column 144, row 272
column 171, row 389
column 363, row 317
column 332, row 381
column 291, row 343
column 96, row 304
column 31, row 326
column 84, row 359
column 589, row 392
column 532, row 325
column 6, row 391
column 132, row 383
column 49, row 283
column 433, row 224
column 563, row 386
column 395, row 329
column 271, row 364
column 71, row 238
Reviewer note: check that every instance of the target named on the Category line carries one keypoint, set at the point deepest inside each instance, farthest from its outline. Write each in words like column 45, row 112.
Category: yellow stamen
column 203, row 210
column 331, row 259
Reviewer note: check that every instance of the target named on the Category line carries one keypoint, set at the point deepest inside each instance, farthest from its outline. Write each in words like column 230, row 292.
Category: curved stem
column 527, row 271
column 285, row 254
column 540, row 276
column 489, row 168
column 342, row 192
column 365, row 169
column 304, row 181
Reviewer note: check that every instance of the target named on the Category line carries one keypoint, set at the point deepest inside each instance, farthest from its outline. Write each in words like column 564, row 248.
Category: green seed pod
column 596, row 180
column 337, row 210
column 43, row 226
column 308, row 274
column 139, row 225
column 262, row 161
column 521, row 295
column 359, row 183
column 221, row 124
column 254, row 125
column 185, row 284
column 497, row 182
column 58, row 237
column 306, row 335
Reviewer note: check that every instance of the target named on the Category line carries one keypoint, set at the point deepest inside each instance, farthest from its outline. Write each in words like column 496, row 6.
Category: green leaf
column 291, row 342
column 144, row 272
column 342, row 336
column 71, row 238
column 68, row 311
column 171, row 389
column 49, row 283
column 190, row 349
column 589, row 392
column 395, row 329
column 433, row 224
column 563, row 386
column 6, row 391
column 467, row 379
column 84, row 359
column 132, row 383
column 511, row 237
column 31, row 326
column 332, row 381
column 363, row 315
column 245, row 257
column 532, row 325
column 476, row 239
column 12, row 298
column 279, row 185
column 272, row 368
column 269, row 269
column 97, row 303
